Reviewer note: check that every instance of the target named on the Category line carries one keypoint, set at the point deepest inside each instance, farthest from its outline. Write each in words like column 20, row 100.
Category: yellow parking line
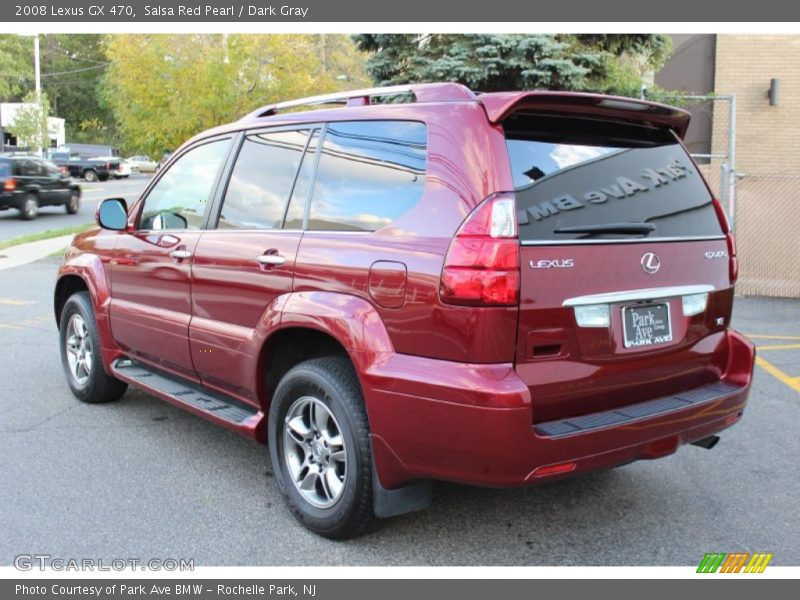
column 778, row 347
column 16, row 301
column 792, row 382
column 773, row 337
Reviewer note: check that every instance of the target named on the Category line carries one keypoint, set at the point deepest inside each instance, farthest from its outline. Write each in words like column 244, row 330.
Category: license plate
column 646, row 325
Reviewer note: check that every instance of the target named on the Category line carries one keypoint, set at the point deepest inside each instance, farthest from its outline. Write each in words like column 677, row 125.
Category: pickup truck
column 90, row 169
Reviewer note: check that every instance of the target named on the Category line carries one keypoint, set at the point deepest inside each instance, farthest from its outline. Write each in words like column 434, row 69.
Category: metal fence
column 768, row 234
column 763, row 208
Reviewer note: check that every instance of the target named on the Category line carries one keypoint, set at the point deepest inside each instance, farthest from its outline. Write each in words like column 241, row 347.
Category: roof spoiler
column 500, row 105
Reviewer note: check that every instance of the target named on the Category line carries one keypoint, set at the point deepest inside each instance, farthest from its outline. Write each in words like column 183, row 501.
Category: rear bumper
column 11, row 199
column 472, row 423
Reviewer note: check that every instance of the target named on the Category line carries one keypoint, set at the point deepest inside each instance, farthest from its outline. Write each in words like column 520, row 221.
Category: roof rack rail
column 423, row 92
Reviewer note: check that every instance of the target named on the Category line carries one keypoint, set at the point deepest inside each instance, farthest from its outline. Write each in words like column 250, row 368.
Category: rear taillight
column 482, row 264
column 733, row 262
column 10, row 185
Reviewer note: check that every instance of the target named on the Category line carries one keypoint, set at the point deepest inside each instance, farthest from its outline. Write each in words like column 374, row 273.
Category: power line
column 100, row 66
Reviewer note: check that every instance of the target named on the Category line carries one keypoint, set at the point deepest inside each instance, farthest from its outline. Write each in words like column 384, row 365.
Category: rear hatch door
column 625, row 286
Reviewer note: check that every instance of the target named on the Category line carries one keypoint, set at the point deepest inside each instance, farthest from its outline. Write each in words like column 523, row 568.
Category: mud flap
column 391, row 503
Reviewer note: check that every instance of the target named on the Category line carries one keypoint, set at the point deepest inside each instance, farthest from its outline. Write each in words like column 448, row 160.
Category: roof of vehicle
column 498, row 105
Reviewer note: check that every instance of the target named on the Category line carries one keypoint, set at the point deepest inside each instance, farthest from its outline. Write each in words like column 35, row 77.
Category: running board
column 212, row 405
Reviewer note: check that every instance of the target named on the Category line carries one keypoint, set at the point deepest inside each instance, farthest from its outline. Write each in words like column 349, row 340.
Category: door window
column 262, row 180
column 179, row 199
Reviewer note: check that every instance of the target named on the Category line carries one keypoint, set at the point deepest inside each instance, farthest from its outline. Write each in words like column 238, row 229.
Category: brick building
column 766, row 194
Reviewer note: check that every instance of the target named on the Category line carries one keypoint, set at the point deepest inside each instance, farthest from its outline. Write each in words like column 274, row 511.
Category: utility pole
column 38, row 69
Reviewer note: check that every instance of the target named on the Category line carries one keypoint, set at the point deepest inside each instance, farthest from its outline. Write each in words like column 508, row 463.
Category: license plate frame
column 646, row 325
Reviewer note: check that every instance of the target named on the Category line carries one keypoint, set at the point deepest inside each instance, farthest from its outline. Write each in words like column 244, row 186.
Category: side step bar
column 206, row 403
column 633, row 412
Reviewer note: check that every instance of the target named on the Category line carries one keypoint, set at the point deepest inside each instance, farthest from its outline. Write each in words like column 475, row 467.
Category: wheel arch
column 315, row 324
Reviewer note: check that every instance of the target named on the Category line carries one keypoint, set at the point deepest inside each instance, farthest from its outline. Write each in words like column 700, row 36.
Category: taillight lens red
column 733, row 261
column 482, row 264
column 10, row 185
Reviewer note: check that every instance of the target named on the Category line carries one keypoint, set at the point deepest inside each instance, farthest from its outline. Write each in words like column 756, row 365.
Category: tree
column 16, row 66
column 73, row 66
column 30, row 122
column 164, row 89
column 491, row 62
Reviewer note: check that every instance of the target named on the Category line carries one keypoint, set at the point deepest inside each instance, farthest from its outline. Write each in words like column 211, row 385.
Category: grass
column 44, row 235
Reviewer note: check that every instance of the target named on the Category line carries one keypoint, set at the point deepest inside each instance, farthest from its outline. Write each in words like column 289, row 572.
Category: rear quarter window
column 576, row 173
column 5, row 169
column 370, row 173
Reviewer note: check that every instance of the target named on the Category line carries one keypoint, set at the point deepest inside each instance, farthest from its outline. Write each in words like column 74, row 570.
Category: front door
column 246, row 259
column 151, row 269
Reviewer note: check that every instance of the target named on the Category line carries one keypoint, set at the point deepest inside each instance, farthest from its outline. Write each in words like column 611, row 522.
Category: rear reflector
column 482, row 264
column 554, row 469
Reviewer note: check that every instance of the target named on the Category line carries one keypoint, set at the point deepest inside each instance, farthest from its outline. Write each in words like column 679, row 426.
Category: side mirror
column 113, row 214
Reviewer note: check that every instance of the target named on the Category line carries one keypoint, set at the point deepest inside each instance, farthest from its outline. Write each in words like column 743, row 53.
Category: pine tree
column 491, row 62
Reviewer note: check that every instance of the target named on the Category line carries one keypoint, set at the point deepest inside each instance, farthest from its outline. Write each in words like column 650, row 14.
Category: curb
column 22, row 254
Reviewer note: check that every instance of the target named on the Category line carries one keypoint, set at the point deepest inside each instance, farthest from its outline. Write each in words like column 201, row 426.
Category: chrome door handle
column 180, row 254
column 271, row 259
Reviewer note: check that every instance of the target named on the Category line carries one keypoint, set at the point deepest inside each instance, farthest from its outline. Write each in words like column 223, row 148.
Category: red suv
column 496, row 289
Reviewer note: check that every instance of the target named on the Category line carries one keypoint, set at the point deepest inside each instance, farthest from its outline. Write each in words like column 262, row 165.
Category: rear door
column 246, row 259
column 625, row 286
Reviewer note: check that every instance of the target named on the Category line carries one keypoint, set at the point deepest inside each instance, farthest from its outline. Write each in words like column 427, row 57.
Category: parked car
column 119, row 168
column 88, row 169
column 28, row 183
column 143, row 164
column 496, row 289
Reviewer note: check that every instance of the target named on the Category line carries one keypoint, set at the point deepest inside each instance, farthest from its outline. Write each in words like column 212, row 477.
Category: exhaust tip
column 708, row 443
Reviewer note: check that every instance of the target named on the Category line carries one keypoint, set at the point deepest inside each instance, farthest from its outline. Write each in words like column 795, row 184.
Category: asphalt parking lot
column 141, row 479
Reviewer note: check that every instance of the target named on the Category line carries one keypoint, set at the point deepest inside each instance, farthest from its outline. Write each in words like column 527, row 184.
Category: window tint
column 370, row 173
column 179, row 198
column 297, row 206
column 578, row 174
column 262, row 180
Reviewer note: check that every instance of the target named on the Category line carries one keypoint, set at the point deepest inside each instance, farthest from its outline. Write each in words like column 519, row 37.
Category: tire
column 73, row 205
column 323, row 385
column 30, row 207
column 78, row 337
column 90, row 175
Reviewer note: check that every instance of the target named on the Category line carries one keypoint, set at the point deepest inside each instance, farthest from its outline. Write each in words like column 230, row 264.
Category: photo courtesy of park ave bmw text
column 296, row 299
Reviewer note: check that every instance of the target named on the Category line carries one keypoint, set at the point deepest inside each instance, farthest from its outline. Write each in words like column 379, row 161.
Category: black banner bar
column 151, row 11
column 396, row 589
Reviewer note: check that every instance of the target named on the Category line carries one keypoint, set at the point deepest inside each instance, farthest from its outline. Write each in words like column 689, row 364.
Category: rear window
column 5, row 169
column 577, row 179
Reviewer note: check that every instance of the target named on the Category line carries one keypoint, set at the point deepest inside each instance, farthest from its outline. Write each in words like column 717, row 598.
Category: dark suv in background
column 497, row 289
column 28, row 183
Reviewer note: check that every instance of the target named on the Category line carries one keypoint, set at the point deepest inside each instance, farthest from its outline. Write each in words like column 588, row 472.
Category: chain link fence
column 768, row 234
column 763, row 208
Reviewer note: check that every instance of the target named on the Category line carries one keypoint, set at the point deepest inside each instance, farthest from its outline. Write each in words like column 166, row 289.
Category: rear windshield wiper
column 623, row 228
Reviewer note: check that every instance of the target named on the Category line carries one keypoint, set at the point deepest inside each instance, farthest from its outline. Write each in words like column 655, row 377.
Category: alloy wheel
column 314, row 451
column 80, row 355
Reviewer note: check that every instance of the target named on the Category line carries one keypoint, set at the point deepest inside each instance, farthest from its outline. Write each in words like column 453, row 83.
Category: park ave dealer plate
column 646, row 325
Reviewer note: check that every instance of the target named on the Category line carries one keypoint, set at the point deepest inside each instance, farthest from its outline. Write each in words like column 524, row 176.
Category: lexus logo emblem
column 651, row 263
